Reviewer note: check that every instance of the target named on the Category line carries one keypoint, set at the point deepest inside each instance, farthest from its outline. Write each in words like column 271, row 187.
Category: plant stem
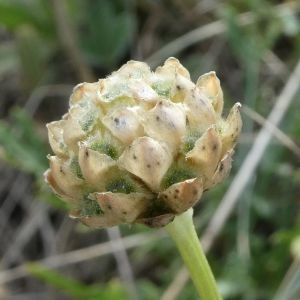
column 183, row 233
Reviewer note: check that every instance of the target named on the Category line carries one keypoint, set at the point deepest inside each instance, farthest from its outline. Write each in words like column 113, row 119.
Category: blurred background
column 250, row 224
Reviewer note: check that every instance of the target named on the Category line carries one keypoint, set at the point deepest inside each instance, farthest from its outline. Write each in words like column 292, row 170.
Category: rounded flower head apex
column 141, row 146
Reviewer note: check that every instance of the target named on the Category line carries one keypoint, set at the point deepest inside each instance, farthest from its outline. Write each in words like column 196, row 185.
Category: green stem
column 183, row 233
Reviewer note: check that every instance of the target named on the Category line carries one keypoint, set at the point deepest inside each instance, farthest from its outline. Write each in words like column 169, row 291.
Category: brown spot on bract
column 148, row 166
column 148, row 222
column 195, row 192
column 221, row 167
column 86, row 153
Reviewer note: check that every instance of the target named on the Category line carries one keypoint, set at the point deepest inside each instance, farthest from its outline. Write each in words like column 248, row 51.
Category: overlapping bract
column 141, row 146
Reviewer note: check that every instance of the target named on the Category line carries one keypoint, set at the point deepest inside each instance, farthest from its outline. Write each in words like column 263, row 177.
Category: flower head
column 141, row 146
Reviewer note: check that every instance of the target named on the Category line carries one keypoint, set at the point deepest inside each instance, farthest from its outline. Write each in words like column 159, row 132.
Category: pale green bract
column 141, row 146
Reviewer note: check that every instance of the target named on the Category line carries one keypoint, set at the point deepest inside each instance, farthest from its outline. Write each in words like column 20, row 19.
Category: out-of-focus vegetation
column 46, row 47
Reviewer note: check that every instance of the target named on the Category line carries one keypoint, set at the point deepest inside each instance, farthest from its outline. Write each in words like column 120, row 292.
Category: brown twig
column 279, row 134
column 209, row 30
column 77, row 256
column 67, row 38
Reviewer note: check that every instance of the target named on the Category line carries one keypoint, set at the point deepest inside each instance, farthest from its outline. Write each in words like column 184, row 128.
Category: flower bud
column 141, row 146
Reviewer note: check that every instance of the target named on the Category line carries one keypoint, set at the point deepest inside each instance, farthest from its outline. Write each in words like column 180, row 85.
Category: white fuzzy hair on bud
column 141, row 146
